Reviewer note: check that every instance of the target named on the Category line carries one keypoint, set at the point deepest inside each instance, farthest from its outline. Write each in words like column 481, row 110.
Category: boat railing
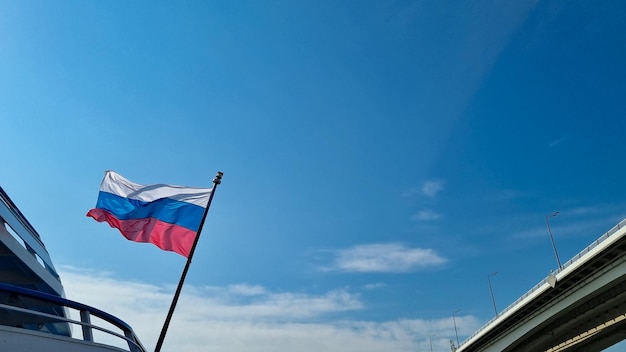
column 28, row 311
column 543, row 282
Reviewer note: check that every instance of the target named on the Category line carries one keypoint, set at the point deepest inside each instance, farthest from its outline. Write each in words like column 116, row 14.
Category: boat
column 35, row 315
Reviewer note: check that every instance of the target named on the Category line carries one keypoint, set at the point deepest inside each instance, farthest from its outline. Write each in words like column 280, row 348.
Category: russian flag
column 165, row 215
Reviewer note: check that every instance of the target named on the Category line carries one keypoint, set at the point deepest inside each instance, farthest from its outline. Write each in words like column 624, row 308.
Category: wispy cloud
column 247, row 290
column 204, row 319
column 428, row 192
column 578, row 221
column 583, row 211
column 432, row 188
column 426, row 215
column 232, row 302
column 383, row 258
column 374, row 286
column 556, row 142
column 508, row 195
column 411, row 192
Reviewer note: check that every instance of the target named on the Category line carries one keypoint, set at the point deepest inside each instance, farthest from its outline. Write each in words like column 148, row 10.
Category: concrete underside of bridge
column 589, row 325
column 584, row 312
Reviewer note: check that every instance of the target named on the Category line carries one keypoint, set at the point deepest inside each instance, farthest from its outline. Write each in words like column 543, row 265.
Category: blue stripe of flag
column 167, row 210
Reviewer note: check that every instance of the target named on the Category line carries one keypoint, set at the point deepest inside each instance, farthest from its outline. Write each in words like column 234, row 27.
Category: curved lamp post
column 455, row 331
column 430, row 339
column 556, row 254
column 493, row 299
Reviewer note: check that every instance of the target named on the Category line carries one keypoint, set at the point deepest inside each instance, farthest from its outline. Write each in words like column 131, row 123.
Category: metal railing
column 543, row 282
column 126, row 334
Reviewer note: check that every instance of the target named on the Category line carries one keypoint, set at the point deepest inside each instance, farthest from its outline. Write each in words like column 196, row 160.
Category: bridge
column 579, row 308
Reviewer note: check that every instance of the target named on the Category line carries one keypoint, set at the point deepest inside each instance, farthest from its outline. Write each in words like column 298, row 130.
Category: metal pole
column 216, row 181
column 455, row 331
column 556, row 254
column 491, row 290
column 430, row 339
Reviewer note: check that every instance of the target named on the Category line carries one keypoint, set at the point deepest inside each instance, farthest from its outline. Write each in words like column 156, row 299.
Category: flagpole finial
column 218, row 178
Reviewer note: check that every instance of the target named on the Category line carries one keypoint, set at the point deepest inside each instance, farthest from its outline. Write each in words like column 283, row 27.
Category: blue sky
column 380, row 158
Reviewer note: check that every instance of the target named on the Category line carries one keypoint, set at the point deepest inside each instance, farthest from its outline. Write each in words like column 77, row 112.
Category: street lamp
column 491, row 290
column 455, row 331
column 430, row 339
column 556, row 254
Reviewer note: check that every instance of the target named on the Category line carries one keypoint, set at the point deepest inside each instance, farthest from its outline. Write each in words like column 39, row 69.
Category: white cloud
column 432, row 188
column 232, row 302
column 426, row 215
column 374, row 286
column 383, row 257
column 508, row 195
column 583, row 211
column 429, row 188
column 215, row 318
column 556, row 142
column 580, row 221
column 411, row 192
column 246, row 290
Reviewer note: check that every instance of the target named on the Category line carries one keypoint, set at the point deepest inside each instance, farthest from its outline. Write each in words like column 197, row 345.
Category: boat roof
column 24, row 260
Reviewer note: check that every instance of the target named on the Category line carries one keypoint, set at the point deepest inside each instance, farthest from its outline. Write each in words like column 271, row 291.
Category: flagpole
column 216, row 181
